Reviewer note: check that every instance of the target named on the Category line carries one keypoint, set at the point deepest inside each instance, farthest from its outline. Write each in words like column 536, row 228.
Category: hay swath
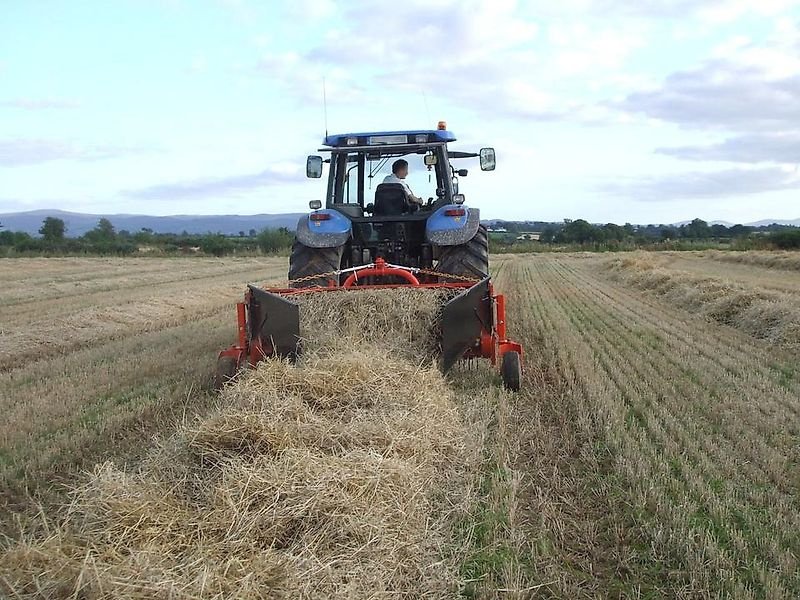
column 472, row 324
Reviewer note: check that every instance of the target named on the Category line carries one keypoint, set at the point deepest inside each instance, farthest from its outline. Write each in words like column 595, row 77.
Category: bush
column 786, row 240
column 218, row 244
column 275, row 240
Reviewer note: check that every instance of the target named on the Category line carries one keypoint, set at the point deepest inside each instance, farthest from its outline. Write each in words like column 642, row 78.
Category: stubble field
column 653, row 452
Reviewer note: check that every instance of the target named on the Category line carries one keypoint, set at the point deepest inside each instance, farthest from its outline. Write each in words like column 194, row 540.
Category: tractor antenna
column 325, row 106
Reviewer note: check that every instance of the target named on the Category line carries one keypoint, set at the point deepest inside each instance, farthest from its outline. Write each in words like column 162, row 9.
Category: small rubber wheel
column 226, row 370
column 511, row 370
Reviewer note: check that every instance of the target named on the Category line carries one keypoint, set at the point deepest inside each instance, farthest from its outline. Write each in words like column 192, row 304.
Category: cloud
column 754, row 148
column 303, row 79
column 721, row 95
column 713, row 11
column 745, row 86
column 714, row 184
column 17, row 152
column 38, row 104
column 493, row 59
column 28, row 151
column 216, row 187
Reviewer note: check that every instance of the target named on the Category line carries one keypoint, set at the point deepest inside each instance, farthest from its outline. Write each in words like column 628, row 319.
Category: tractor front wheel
column 511, row 370
column 467, row 260
column 312, row 267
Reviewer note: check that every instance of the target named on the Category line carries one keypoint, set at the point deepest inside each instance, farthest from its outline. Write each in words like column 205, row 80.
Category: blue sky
column 610, row 110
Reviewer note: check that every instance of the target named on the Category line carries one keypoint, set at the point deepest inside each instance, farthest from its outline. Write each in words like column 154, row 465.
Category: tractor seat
column 390, row 200
column 349, row 210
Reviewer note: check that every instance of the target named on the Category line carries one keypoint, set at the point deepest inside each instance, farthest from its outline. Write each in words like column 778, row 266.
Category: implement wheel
column 226, row 370
column 511, row 370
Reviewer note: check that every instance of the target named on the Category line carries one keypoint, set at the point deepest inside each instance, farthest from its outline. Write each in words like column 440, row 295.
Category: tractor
column 372, row 235
column 350, row 231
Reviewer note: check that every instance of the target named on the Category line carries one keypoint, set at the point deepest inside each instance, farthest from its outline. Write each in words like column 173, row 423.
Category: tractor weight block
column 462, row 320
column 275, row 321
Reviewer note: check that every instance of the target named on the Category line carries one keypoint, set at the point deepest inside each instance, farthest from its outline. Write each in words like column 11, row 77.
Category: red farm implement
column 472, row 324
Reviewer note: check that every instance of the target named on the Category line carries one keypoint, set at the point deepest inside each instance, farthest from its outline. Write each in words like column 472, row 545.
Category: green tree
column 548, row 234
column 739, row 230
column 103, row 232
column 53, row 229
column 275, row 240
column 697, row 229
column 216, row 244
column 577, row 231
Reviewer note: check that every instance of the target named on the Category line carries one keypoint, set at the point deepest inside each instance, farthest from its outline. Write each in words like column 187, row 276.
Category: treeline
column 612, row 236
column 104, row 239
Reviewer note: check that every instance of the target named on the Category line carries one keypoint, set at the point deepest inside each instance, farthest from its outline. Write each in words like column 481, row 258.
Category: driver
column 399, row 173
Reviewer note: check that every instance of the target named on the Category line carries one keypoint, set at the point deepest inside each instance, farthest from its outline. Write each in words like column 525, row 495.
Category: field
column 654, row 451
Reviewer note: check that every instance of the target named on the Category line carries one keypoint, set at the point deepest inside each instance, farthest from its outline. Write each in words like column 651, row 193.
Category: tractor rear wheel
column 226, row 370
column 306, row 262
column 511, row 370
column 467, row 260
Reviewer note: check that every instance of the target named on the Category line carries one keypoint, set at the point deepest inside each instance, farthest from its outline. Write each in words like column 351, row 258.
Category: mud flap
column 275, row 322
column 461, row 322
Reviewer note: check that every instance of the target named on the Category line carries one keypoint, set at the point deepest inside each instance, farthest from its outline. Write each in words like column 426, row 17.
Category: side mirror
column 488, row 159
column 314, row 167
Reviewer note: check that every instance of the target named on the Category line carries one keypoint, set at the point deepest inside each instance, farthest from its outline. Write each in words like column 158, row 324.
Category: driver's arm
column 411, row 196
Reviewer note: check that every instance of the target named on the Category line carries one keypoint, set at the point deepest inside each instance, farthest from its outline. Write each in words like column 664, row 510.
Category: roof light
column 455, row 212
column 442, row 125
column 318, row 216
column 352, row 141
column 421, row 138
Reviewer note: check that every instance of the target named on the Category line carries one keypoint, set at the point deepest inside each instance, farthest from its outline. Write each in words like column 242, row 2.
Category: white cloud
column 30, row 151
column 704, row 184
column 229, row 186
column 38, row 103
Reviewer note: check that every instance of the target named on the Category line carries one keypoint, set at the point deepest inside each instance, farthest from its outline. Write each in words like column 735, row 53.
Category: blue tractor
column 370, row 235
column 364, row 219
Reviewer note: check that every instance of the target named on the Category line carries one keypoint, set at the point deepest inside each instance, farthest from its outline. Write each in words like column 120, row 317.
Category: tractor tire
column 226, row 370
column 511, row 370
column 307, row 262
column 467, row 260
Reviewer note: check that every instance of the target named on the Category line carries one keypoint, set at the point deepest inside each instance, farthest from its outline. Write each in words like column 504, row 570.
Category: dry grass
column 66, row 405
column 662, row 458
column 767, row 315
column 653, row 453
column 332, row 478
column 775, row 259
column 81, row 309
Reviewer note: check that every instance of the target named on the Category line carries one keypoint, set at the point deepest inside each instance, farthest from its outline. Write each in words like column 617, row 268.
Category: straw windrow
column 329, row 478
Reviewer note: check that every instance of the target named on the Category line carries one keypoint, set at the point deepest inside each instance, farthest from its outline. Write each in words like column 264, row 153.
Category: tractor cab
column 359, row 162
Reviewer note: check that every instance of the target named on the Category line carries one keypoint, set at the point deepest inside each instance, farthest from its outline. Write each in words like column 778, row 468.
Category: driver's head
column 400, row 168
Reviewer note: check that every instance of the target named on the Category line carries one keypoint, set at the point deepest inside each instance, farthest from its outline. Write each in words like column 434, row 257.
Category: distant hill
column 79, row 223
column 765, row 222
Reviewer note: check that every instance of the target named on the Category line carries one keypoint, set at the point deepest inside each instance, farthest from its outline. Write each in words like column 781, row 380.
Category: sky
column 654, row 111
